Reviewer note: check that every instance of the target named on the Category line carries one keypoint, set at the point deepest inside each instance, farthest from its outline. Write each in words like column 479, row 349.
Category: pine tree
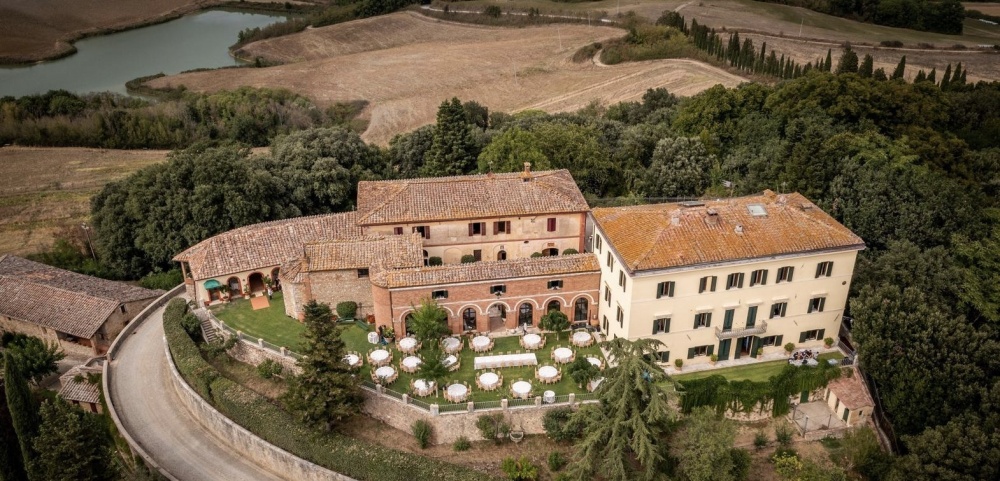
column 879, row 74
column 11, row 461
column 867, row 67
column 23, row 412
column 848, row 62
column 327, row 391
column 452, row 152
column 900, row 69
column 69, row 445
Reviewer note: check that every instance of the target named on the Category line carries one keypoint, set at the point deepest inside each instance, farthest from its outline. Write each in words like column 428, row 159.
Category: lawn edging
column 253, row 424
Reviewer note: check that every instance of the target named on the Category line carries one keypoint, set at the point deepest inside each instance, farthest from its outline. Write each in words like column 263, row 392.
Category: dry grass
column 405, row 64
column 46, row 189
column 987, row 8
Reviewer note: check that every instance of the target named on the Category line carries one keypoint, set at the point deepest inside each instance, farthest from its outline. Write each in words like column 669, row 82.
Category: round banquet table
column 411, row 362
column 458, row 392
column 422, row 387
column 521, row 389
column 548, row 372
column 407, row 344
column 379, row 355
column 563, row 354
column 532, row 340
column 489, row 379
column 351, row 359
column 450, row 360
column 452, row 344
column 480, row 342
column 384, row 372
column 582, row 339
column 595, row 361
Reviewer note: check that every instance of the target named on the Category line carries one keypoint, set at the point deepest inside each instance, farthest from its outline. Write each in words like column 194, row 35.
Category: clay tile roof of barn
column 484, row 271
column 264, row 245
column 71, row 312
column 851, row 391
column 468, row 197
column 82, row 391
column 661, row 236
column 363, row 252
column 46, row 275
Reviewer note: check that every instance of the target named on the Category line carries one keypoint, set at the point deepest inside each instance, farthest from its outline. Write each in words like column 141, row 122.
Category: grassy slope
column 271, row 324
column 751, row 372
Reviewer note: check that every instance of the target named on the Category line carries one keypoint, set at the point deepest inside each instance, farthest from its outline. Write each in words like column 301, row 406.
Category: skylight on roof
column 757, row 210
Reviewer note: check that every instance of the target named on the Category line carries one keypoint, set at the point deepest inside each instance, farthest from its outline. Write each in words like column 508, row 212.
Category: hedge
column 352, row 457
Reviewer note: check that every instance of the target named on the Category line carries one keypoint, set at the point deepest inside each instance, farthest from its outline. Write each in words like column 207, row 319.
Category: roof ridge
column 22, row 280
column 462, row 178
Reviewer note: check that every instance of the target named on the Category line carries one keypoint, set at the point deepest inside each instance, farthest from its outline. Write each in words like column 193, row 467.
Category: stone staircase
column 208, row 331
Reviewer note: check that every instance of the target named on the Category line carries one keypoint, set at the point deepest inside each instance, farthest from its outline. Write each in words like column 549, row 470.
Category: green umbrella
column 212, row 284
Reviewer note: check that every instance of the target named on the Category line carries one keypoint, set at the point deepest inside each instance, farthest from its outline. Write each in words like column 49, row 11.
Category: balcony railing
column 757, row 330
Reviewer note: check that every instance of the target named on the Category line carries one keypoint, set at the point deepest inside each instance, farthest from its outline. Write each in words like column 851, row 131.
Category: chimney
column 712, row 218
column 526, row 174
column 675, row 219
column 739, row 228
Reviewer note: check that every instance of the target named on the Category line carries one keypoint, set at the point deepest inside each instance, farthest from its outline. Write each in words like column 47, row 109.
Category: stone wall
column 333, row 287
column 448, row 427
column 253, row 353
column 48, row 335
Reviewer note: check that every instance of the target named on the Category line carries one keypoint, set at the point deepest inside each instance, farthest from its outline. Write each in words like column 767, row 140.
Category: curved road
column 153, row 415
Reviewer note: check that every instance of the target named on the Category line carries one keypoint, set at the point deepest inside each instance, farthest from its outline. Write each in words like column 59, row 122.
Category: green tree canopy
column 452, row 150
column 36, row 358
column 429, row 322
column 554, row 321
column 705, row 446
column 71, row 445
column 680, row 167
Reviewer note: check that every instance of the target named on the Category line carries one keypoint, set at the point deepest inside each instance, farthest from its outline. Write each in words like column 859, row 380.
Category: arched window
column 552, row 251
column 426, row 258
column 580, row 310
column 552, row 306
column 469, row 319
column 502, row 255
column 234, row 286
column 524, row 314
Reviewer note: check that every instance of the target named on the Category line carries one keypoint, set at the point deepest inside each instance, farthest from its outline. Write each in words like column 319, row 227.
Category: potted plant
column 789, row 347
column 679, row 363
column 714, row 358
column 246, row 291
column 828, row 342
column 390, row 334
column 760, row 351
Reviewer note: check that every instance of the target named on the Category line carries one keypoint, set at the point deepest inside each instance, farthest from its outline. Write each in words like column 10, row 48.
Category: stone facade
column 333, row 287
column 83, row 347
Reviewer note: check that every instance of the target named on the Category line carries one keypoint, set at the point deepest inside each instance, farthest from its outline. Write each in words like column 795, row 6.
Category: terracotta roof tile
column 47, row 275
column 74, row 313
column 82, row 391
column 468, row 197
column 851, row 391
column 363, row 252
column 484, row 271
column 673, row 235
column 266, row 244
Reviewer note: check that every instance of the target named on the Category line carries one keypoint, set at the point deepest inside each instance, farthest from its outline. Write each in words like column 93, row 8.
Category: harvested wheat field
column 987, row 8
column 47, row 189
column 405, row 64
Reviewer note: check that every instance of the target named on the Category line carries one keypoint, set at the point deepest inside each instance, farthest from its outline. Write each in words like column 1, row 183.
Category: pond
column 106, row 62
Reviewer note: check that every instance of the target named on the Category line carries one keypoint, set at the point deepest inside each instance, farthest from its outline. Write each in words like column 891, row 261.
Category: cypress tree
column 829, row 60
column 956, row 76
column 848, row 62
column 68, row 445
column 932, row 77
column 946, row 78
column 900, row 69
column 867, row 66
column 451, row 152
column 798, row 71
column 879, row 74
column 11, row 462
column 921, row 77
column 962, row 82
column 23, row 412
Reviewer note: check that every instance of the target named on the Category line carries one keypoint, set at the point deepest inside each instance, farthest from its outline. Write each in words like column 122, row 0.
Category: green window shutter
column 802, row 336
column 670, row 289
column 763, row 279
column 690, row 353
column 752, row 316
column 711, row 350
column 654, row 325
column 695, row 322
column 708, row 320
column 819, row 269
column 755, row 346
column 819, row 335
column 727, row 322
column 701, row 285
column 714, row 279
column 777, row 340
column 822, row 304
column 666, row 327
column 791, row 273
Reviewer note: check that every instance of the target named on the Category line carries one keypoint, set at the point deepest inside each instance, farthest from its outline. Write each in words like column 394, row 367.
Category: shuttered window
column 758, row 277
column 703, row 319
column 661, row 325
column 817, row 304
column 785, row 274
column 752, row 316
column 707, row 283
column 734, row 281
column 824, row 269
column 550, row 225
column 665, row 289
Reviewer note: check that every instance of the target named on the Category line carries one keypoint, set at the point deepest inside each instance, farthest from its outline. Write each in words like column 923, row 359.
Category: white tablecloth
column 549, row 397
column 373, row 337
column 532, row 340
column 385, row 372
column 351, row 359
column 563, row 354
column 458, row 391
column 595, row 361
column 582, row 338
column 507, row 360
column 451, row 344
column 407, row 343
column 448, row 361
column 547, row 372
column 480, row 342
column 411, row 362
column 423, row 387
column 379, row 355
column 521, row 388
column 489, row 379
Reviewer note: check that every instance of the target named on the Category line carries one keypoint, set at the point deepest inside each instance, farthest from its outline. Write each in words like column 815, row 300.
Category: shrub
column 741, row 463
column 162, row 280
column 828, row 342
column 582, row 371
column 556, row 461
column 520, row 469
column 492, row 11
column 569, row 252
column 783, row 435
column 789, row 347
column 347, row 309
column 434, row 261
column 192, row 326
column 536, row 254
column 556, row 422
column 714, row 358
column 468, row 258
column 679, row 363
column 269, row 368
column 493, row 426
column 461, row 444
column 891, row 43
column 760, row 440
column 422, row 430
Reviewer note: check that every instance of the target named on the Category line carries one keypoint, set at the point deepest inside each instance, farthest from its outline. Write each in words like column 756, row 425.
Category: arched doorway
column 525, row 314
column 256, row 282
column 275, row 283
column 552, row 306
column 406, row 325
column 469, row 319
column 497, row 314
column 581, row 310
column 552, row 251
column 235, row 289
column 502, row 255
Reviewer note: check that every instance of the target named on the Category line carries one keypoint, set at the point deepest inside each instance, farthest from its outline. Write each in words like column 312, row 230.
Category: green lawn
column 761, row 371
column 271, row 324
column 355, row 338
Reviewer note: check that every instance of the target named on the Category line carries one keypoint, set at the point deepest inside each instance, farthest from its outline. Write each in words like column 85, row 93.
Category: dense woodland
column 933, row 16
